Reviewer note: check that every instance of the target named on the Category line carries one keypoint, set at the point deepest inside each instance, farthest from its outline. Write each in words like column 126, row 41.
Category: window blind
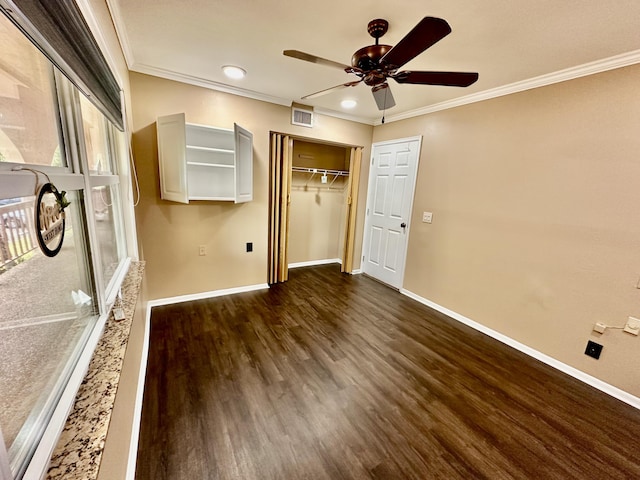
column 59, row 30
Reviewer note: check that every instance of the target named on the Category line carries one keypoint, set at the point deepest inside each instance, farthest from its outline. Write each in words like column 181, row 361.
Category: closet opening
column 312, row 204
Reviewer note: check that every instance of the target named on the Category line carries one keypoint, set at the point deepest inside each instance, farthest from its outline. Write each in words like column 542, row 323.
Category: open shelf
column 199, row 162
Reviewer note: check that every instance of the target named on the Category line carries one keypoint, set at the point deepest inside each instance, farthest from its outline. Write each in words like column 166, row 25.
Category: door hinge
column 363, row 258
column 367, row 211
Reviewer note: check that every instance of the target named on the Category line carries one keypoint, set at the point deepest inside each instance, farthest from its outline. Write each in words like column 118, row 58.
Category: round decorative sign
column 50, row 218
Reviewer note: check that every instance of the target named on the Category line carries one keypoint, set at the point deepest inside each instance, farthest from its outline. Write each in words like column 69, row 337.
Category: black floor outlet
column 593, row 349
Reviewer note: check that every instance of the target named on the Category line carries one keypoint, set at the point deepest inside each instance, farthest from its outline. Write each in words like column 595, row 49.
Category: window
column 51, row 306
column 28, row 110
column 48, row 310
column 100, row 139
column 96, row 127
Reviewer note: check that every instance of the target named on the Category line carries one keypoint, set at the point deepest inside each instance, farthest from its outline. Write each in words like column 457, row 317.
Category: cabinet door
column 172, row 145
column 244, row 164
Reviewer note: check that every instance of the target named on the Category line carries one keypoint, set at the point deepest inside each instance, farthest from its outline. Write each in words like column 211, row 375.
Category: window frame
column 76, row 176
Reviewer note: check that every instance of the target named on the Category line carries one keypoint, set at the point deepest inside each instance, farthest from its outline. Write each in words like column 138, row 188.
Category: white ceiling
column 506, row 41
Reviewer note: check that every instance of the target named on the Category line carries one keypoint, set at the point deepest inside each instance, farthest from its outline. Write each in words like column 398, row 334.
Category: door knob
column 403, row 225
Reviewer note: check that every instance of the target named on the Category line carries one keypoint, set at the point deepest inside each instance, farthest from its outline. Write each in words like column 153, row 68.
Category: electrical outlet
column 202, row 251
column 593, row 349
column 249, row 247
column 632, row 326
column 427, row 217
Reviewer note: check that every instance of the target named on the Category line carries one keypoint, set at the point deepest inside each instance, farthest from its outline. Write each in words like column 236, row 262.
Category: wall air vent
column 301, row 117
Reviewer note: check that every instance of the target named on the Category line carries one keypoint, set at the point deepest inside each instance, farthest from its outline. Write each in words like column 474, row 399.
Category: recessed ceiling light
column 348, row 103
column 234, row 72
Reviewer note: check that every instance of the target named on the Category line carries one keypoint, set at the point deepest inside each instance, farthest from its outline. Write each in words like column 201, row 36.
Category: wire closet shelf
column 324, row 175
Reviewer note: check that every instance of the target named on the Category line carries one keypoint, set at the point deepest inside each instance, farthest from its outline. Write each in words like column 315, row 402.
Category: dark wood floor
column 331, row 376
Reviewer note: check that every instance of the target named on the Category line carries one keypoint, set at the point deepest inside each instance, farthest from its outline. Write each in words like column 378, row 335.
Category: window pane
column 109, row 228
column 28, row 111
column 48, row 309
column 94, row 124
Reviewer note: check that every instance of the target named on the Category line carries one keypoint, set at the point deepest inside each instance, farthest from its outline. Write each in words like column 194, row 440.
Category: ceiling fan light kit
column 383, row 97
column 375, row 64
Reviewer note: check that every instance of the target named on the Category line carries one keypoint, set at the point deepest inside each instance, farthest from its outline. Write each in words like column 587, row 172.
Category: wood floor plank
column 331, row 376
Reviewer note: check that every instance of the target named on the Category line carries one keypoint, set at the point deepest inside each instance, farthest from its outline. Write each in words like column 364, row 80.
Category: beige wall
column 170, row 233
column 317, row 219
column 535, row 231
column 317, row 211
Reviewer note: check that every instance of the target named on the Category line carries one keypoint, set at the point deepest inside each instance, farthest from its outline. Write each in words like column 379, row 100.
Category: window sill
column 79, row 450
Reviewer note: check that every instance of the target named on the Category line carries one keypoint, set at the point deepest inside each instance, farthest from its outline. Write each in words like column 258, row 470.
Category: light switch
column 427, row 217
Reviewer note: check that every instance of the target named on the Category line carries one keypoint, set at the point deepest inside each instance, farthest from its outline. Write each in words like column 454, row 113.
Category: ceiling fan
column 375, row 64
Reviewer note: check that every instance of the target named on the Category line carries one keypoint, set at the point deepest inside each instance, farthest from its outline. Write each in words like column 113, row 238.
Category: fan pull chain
column 384, row 106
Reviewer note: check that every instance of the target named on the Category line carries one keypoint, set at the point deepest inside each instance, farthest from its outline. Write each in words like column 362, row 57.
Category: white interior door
column 392, row 181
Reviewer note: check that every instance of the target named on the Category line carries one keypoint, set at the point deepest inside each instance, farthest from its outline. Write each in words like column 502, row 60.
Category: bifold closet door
column 279, row 200
column 355, row 161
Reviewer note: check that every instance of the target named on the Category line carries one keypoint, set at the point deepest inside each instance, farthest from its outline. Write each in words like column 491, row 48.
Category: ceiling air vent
column 301, row 117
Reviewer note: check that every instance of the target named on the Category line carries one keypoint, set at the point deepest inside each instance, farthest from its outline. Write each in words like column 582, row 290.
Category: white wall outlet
column 202, row 251
column 427, row 217
column 632, row 326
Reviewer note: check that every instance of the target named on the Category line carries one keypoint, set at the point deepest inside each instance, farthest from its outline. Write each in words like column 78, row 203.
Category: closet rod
column 340, row 173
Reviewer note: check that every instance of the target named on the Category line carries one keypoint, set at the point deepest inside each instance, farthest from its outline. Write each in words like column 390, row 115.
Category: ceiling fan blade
column 313, row 59
column 449, row 79
column 328, row 90
column 427, row 32
column 383, row 97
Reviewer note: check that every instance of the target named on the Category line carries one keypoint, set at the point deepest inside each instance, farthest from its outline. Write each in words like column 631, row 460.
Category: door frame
column 365, row 234
column 278, row 260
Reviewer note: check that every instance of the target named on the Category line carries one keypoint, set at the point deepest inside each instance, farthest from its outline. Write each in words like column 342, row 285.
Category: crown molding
column 221, row 87
column 121, row 31
column 343, row 116
column 203, row 82
column 591, row 68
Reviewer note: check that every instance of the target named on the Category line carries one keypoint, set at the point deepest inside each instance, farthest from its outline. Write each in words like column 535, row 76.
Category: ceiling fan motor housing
column 368, row 58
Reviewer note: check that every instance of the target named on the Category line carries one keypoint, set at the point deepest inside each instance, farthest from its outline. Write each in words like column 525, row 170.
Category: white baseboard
column 137, row 408
column 199, row 296
column 137, row 411
column 615, row 392
column 313, row 263
column 357, row 271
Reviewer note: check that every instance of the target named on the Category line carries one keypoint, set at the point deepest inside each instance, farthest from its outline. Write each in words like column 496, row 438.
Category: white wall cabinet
column 198, row 162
